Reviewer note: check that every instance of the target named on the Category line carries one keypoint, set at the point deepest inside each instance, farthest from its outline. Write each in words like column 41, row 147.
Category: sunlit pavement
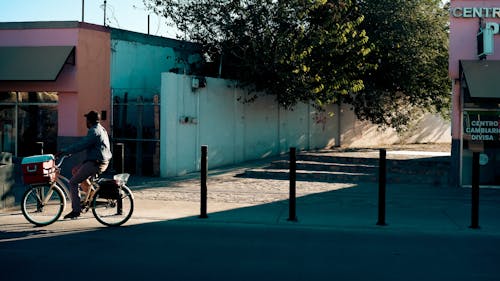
column 249, row 243
column 410, row 208
column 247, row 235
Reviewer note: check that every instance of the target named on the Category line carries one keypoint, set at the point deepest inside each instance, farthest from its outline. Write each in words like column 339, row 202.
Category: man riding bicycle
column 98, row 153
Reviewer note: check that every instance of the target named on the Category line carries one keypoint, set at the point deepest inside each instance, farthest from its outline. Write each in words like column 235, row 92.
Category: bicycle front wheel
column 113, row 210
column 43, row 204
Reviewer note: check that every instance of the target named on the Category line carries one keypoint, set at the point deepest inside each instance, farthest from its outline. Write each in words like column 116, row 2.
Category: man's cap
column 93, row 116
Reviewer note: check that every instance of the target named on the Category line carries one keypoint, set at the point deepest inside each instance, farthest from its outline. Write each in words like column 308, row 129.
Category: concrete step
column 343, row 177
column 311, row 167
column 368, row 159
column 438, row 167
column 302, row 175
column 325, row 166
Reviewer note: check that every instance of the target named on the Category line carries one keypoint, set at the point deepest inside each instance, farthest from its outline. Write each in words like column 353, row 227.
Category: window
column 28, row 118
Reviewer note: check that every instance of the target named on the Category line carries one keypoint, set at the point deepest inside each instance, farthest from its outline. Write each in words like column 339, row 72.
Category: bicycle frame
column 111, row 211
column 63, row 183
column 44, row 198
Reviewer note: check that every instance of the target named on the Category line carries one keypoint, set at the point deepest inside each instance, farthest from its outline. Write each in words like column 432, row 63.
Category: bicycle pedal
column 84, row 206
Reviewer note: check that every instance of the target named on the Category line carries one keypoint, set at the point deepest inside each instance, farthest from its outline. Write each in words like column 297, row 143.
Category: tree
column 297, row 50
column 388, row 59
column 410, row 40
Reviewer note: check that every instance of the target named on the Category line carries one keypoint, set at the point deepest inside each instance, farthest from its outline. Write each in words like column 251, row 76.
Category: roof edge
column 51, row 24
column 132, row 36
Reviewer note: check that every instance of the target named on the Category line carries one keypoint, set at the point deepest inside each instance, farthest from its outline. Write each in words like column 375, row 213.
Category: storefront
column 474, row 66
column 51, row 74
column 27, row 118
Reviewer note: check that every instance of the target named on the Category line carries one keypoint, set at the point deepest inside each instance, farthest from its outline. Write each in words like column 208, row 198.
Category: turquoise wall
column 139, row 66
column 137, row 61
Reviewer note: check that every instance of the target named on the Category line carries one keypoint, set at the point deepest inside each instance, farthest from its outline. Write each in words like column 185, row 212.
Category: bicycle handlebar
column 58, row 165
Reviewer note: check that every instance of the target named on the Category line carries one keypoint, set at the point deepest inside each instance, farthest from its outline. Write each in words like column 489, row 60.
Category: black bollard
column 203, row 186
column 119, row 158
column 119, row 167
column 292, row 212
column 475, row 191
column 381, row 187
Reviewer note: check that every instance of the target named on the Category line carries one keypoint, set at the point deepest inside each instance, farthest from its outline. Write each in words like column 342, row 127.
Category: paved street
column 248, row 237
column 170, row 250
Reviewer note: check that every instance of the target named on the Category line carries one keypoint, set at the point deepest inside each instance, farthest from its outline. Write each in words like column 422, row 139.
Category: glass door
column 481, row 134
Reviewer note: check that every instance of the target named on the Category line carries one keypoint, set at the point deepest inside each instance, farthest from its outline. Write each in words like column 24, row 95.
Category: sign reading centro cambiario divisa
column 482, row 125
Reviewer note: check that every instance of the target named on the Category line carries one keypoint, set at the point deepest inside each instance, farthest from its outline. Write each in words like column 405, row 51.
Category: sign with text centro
column 475, row 12
column 482, row 125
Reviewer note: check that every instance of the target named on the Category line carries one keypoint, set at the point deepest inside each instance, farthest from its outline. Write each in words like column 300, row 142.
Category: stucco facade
column 466, row 69
column 234, row 132
column 81, row 87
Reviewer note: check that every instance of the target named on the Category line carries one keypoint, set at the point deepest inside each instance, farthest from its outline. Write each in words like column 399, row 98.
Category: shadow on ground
column 336, row 235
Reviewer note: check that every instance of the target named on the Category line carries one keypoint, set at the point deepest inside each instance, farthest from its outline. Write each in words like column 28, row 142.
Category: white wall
column 233, row 131
column 355, row 133
column 236, row 132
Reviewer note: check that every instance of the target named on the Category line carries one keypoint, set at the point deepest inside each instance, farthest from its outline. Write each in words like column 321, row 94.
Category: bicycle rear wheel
column 43, row 204
column 113, row 211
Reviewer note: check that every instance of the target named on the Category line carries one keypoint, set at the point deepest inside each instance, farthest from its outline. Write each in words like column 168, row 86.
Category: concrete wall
column 234, row 132
column 355, row 133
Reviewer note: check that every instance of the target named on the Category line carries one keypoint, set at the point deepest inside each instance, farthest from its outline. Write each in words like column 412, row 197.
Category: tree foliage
column 410, row 41
column 297, row 50
column 386, row 58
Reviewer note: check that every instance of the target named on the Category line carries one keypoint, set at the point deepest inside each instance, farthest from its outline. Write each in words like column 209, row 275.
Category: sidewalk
column 264, row 202
column 410, row 208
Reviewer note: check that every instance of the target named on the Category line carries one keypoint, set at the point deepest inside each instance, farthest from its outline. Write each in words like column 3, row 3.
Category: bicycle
column 111, row 201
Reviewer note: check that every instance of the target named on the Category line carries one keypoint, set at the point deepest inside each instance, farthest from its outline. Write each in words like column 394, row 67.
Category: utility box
column 485, row 42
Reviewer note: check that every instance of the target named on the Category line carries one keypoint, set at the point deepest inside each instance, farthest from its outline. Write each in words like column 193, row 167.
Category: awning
column 482, row 78
column 34, row 63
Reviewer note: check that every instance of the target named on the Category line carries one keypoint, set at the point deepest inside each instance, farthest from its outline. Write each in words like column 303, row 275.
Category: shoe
column 72, row 215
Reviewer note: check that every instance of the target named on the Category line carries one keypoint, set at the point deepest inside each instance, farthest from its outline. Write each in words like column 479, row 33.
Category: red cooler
column 38, row 169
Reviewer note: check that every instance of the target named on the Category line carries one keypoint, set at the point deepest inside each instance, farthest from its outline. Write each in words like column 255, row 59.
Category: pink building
column 51, row 74
column 474, row 67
